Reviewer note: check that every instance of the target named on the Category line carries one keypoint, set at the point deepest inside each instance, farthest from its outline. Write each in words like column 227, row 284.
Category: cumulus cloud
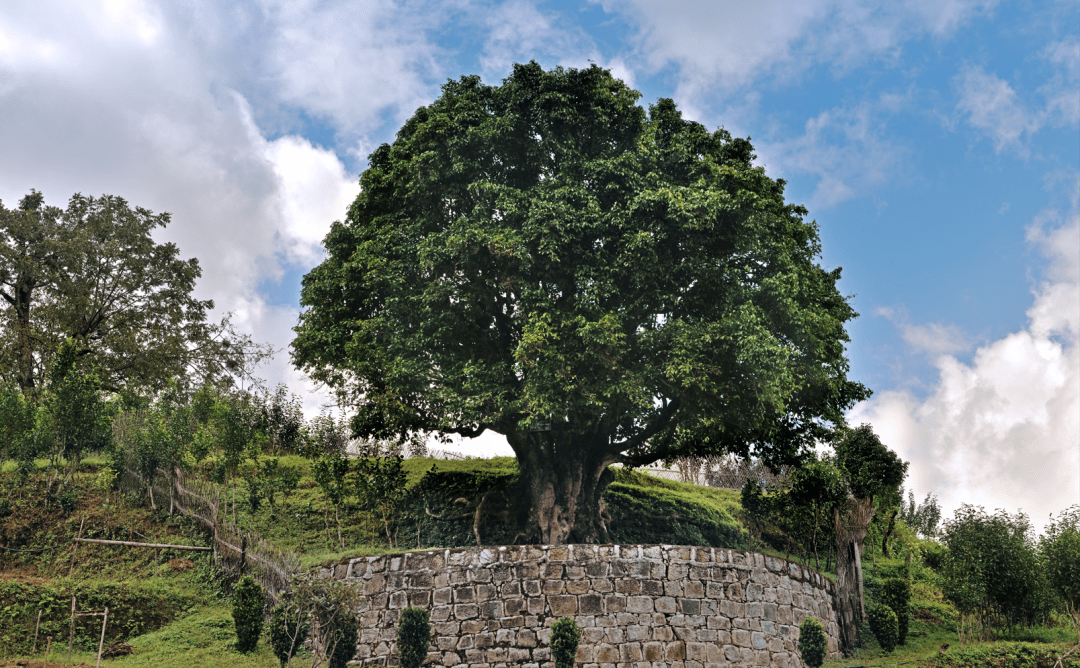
column 845, row 148
column 1004, row 430
column 120, row 98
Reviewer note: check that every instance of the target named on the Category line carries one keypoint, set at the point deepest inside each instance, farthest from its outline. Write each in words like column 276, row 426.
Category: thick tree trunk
column 851, row 522
column 561, row 485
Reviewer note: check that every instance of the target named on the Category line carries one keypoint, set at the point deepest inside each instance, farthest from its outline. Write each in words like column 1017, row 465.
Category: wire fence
column 236, row 551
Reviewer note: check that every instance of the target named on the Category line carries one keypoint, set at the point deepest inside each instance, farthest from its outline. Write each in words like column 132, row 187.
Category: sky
column 935, row 142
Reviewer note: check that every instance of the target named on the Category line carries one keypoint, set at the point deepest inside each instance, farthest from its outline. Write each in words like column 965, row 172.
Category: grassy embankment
column 171, row 609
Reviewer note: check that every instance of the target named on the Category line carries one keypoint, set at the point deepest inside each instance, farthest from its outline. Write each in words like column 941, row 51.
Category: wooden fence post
column 36, row 627
column 75, row 550
column 101, row 642
column 71, row 631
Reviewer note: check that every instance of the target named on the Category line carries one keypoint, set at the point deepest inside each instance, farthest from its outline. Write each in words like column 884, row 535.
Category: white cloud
column 933, row 338
column 1003, row 431
column 135, row 99
column 992, row 106
column 845, row 148
column 730, row 44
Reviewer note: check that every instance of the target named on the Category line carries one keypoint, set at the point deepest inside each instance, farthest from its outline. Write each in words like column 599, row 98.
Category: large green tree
column 93, row 273
column 545, row 260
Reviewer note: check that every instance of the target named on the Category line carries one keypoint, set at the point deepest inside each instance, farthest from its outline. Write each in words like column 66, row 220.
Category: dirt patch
column 180, row 565
column 23, row 575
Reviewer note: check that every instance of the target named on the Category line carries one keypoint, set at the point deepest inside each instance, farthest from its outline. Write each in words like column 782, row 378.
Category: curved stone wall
column 641, row 606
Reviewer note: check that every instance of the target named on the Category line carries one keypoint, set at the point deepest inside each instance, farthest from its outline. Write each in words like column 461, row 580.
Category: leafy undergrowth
column 644, row 509
column 41, row 568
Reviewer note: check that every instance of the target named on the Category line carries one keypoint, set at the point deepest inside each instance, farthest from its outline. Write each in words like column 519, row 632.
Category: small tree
column 413, row 637
column 813, row 644
column 331, row 606
column 883, row 624
column 330, row 473
column 288, row 631
column 248, row 609
column 380, row 487
column 565, row 636
column 1060, row 548
column 896, row 593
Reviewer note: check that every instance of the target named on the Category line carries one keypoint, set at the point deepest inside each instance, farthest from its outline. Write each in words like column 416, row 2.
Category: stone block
column 606, row 653
column 630, row 651
column 485, row 592
column 665, row 604
column 577, row 586
column 492, row 609
column 639, row 604
column 741, row 638
column 563, row 606
column 614, row 603
column 514, row 606
column 466, row 611
column 550, row 571
column 591, row 604
column 652, row 651
column 473, row 626
column 628, row 586
column 532, row 588
column 596, row 569
column 603, row 586
column 419, row 599
column 675, row 651
column 554, row 587
column 399, row 599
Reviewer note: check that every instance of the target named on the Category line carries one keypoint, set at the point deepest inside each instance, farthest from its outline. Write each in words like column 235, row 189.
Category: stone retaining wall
column 641, row 606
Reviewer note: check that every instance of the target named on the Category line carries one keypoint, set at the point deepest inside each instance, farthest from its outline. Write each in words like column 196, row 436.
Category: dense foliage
column 249, row 608
column 896, row 593
column 92, row 273
column 884, row 625
column 565, row 636
column 992, row 571
column 413, row 637
column 543, row 259
column 287, row 632
column 813, row 644
column 1060, row 548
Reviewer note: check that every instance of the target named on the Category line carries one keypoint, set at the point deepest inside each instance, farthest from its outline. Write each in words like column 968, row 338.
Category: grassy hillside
column 171, row 607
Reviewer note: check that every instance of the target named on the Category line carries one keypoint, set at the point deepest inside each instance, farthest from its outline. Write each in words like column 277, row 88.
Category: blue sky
column 937, row 144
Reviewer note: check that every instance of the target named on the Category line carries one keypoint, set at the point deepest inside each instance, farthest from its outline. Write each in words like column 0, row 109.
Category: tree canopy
column 546, row 260
column 93, row 273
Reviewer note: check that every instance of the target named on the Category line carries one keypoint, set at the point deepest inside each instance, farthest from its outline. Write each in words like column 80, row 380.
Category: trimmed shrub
column 249, row 604
column 883, row 624
column 413, row 637
column 812, row 642
column 896, row 593
column 565, row 636
column 287, row 632
column 347, row 633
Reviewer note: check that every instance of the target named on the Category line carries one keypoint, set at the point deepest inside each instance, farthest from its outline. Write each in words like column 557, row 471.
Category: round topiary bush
column 883, row 624
column 896, row 593
column 565, row 636
column 287, row 632
column 812, row 642
column 248, row 610
column 413, row 637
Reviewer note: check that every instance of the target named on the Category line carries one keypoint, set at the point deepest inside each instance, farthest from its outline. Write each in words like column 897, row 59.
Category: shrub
column 812, row 642
column 1060, row 549
column 896, row 593
column 992, row 572
column 413, row 637
column 248, row 606
column 344, row 642
column 288, row 631
column 565, row 636
column 883, row 624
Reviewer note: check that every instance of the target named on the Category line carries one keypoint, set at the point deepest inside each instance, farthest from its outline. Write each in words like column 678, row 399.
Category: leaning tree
column 546, row 260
